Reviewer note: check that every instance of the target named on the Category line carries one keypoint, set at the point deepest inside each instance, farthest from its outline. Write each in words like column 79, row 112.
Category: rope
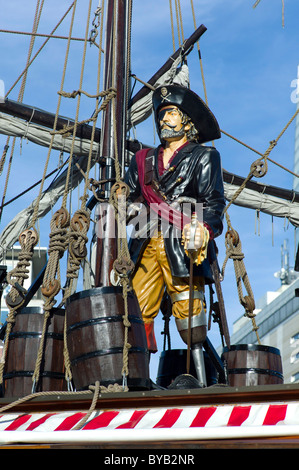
column 172, row 27
column 16, row 297
column 91, row 409
column 27, row 239
column 95, row 23
column 24, row 75
column 50, row 36
column 282, row 8
column 36, row 184
column 179, row 23
column 39, row 50
column 51, row 285
column 123, row 265
column 79, row 225
column 96, row 389
column 77, row 240
column 59, row 236
column 75, row 93
column 8, row 171
column 259, row 153
column 259, row 167
column 234, row 252
column 199, row 55
column 77, row 237
column 20, row 98
column 3, row 158
column 108, row 94
column 35, row 213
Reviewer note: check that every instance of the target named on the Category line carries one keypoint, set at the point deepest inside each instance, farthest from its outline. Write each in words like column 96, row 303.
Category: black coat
column 200, row 169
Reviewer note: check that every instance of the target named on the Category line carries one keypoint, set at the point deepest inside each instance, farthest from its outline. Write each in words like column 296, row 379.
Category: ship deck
column 257, row 428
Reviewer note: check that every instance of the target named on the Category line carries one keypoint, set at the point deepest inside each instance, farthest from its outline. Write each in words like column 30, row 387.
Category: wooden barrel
column 251, row 364
column 172, row 363
column 95, row 338
column 22, row 353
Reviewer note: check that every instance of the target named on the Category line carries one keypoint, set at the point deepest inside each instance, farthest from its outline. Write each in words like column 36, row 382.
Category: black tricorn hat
column 191, row 104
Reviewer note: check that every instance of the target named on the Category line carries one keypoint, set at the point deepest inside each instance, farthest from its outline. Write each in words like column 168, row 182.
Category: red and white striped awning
column 183, row 423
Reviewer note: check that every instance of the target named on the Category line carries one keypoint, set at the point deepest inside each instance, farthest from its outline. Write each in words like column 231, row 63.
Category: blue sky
column 250, row 62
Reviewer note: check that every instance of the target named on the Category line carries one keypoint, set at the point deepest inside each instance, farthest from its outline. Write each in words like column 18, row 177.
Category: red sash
column 156, row 201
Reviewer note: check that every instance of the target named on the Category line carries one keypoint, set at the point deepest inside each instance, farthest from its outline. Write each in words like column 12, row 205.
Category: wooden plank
column 213, row 395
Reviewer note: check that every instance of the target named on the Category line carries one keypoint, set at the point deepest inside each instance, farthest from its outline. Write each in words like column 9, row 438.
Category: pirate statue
column 180, row 172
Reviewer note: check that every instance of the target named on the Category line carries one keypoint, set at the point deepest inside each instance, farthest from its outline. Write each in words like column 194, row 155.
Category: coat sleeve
column 209, row 189
column 132, row 180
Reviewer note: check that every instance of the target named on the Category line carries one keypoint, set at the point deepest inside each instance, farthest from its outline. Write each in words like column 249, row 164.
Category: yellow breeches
column 149, row 282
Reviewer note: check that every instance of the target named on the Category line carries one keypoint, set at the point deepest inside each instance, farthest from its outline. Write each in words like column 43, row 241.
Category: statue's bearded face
column 171, row 124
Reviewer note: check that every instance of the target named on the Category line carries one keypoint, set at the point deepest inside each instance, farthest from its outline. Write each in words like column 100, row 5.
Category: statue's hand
column 195, row 239
column 193, row 236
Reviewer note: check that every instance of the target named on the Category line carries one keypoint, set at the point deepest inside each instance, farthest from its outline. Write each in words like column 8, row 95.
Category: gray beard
column 170, row 133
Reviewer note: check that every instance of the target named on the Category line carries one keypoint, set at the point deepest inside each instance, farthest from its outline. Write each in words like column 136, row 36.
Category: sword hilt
column 191, row 243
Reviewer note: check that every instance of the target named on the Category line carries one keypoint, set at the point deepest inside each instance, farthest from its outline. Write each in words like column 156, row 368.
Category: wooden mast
column 114, row 124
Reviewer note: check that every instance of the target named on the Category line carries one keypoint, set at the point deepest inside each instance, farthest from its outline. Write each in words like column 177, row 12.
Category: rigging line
column 172, row 27
column 35, row 184
column 35, row 213
column 200, row 60
column 50, row 36
column 59, row 227
column 36, row 20
column 32, row 40
column 3, row 158
column 143, row 83
column 254, row 167
column 28, row 240
column 75, row 93
column 117, row 166
column 39, row 50
column 199, row 55
column 83, row 203
column 78, row 230
column 179, row 21
column 113, row 61
column 282, row 8
column 259, row 153
column 78, row 104
column 129, row 38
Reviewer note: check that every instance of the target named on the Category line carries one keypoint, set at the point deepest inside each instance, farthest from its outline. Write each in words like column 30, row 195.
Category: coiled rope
column 234, row 252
